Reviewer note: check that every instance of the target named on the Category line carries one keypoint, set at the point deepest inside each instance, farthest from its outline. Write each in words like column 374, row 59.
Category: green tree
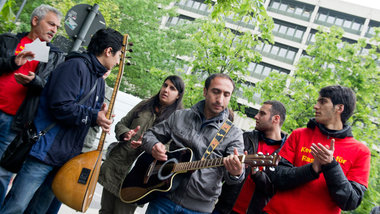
column 155, row 49
column 224, row 48
column 332, row 61
column 7, row 16
column 108, row 9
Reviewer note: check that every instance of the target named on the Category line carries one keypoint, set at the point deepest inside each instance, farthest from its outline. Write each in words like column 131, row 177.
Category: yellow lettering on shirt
column 305, row 149
column 340, row 160
column 307, row 159
column 21, row 48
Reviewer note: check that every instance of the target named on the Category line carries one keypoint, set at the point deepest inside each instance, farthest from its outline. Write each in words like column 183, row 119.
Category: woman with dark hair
column 129, row 131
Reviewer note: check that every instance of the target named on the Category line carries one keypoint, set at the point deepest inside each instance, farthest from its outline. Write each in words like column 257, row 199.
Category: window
column 196, row 5
column 356, row 26
column 275, row 5
column 267, row 48
column 299, row 34
column 288, row 30
column 330, row 20
column 262, row 70
column 339, row 22
column 349, row 23
column 189, row 3
column 274, row 50
column 292, row 8
column 283, row 29
column 178, row 20
column 322, row 17
column 291, row 55
column 282, row 53
column 371, row 28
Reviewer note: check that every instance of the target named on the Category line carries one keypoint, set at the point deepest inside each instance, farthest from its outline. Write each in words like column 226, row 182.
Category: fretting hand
column 233, row 164
column 102, row 120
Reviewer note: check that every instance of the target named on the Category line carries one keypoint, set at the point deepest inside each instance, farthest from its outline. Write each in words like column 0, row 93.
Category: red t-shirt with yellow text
column 246, row 193
column 12, row 94
column 313, row 197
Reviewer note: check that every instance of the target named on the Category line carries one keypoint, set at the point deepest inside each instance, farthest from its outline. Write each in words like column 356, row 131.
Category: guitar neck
column 115, row 89
column 252, row 160
column 202, row 164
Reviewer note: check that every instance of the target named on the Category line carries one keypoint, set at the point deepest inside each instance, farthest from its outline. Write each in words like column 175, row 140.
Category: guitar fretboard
column 201, row 164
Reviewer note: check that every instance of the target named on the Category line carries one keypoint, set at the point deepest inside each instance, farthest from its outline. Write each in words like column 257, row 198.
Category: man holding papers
column 26, row 60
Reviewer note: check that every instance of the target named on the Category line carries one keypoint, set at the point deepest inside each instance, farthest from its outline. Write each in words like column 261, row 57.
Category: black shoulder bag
column 14, row 156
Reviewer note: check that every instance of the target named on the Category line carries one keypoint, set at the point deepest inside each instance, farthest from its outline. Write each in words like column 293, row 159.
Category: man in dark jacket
column 68, row 84
column 323, row 168
column 195, row 128
column 252, row 195
column 21, row 81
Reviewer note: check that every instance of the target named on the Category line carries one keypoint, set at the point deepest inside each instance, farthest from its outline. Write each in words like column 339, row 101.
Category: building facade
column 295, row 25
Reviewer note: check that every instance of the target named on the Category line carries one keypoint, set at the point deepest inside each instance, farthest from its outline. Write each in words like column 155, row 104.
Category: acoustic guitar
column 149, row 178
column 75, row 182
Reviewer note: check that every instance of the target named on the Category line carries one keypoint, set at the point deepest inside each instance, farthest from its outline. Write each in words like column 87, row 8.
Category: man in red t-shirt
column 323, row 168
column 251, row 195
column 22, row 79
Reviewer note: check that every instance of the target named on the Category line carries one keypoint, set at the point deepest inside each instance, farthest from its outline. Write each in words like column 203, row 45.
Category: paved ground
column 95, row 204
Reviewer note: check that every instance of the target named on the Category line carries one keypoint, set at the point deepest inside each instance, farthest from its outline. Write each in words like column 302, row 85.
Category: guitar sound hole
column 166, row 170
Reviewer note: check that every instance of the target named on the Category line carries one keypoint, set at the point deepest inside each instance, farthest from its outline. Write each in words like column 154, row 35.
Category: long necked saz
column 75, row 182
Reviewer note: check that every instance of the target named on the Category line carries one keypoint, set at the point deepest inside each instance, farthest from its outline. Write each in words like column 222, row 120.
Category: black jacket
column 264, row 189
column 27, row 110
column 346, row 194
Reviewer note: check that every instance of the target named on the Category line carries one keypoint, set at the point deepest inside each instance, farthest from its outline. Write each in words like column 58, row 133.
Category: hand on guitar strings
column 102, row 119
column 233, row 164
column 159, row 152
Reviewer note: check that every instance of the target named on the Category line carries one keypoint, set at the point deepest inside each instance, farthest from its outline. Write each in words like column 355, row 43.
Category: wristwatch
column 235, row 177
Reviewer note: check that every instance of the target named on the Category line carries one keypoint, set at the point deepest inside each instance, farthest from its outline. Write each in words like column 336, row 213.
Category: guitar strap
column 218, row 138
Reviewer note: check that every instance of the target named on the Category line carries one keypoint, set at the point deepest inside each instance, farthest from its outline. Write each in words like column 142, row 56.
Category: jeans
column 165, row 206
column 32, row 174
column 6, row 137
column 44, row 200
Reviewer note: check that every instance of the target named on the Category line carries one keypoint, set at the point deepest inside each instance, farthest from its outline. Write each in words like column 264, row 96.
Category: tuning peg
column 267, row 153
column 255, row 169
column 272, row 168
column 130, row 43
column 130, row 50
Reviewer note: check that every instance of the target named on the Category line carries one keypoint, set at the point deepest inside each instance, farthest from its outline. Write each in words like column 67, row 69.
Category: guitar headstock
column 254, row 160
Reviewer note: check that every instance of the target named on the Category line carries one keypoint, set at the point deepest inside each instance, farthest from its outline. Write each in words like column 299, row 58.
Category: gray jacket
column 188, row 128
